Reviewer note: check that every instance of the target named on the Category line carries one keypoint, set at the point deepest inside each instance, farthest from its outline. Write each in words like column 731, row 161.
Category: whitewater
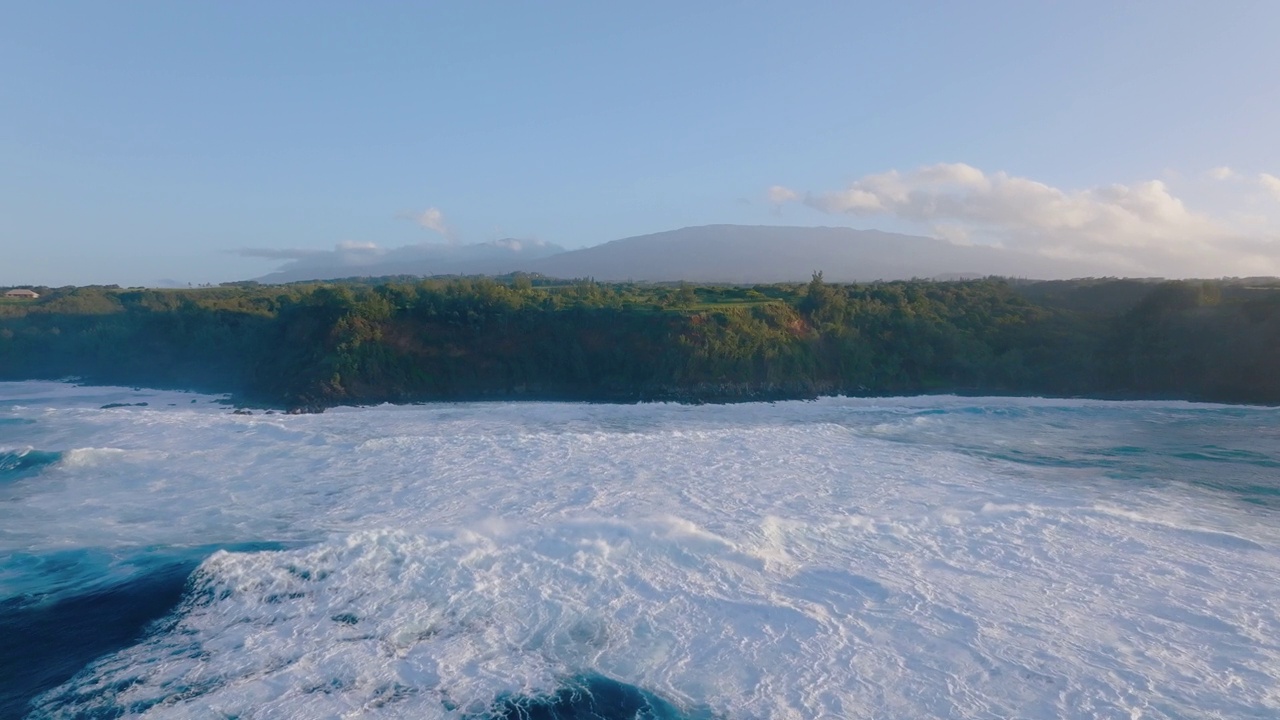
column 840, row 558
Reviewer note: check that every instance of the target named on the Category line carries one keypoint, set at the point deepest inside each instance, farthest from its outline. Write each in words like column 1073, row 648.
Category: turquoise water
column 17, row 463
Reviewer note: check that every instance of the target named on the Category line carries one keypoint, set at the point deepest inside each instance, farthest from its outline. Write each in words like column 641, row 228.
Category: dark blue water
column 588, row 697
column 45, row 643
column 47, row 637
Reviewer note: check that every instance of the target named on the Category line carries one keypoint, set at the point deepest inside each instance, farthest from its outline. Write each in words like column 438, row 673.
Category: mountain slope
column 710, row 253
column 749, row 254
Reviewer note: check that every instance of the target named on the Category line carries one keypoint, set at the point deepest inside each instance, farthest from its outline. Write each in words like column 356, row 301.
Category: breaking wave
column 434, row 626
column 20, row 463
column 915, row 557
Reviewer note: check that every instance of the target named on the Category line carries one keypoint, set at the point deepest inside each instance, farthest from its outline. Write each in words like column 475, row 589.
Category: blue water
column 46, row 643
column 909, row 557
column 588, row 697
column 1198, row 445
column 15, row 464
column 86, row 603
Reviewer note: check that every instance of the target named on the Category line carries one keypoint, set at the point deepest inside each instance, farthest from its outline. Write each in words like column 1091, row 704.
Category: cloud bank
column 1139, row 229
column 350, row 259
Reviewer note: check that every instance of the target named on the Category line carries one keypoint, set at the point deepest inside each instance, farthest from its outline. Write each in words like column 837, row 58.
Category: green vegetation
column 406, row 339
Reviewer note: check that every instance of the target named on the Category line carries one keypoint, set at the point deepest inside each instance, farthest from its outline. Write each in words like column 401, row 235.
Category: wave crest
column 462, row 621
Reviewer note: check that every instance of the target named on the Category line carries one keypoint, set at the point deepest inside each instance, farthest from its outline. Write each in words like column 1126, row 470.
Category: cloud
column 1270, row 183
column 1222, row 173
column 516, row 245
column 1141, row 228
column 347, row 253
column 433, row 219
column 367, row 259
column 779, row 195
column 953, row 233
column 276, row 254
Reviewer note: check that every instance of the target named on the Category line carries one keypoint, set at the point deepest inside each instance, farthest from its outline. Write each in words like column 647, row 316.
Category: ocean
column 841, row 558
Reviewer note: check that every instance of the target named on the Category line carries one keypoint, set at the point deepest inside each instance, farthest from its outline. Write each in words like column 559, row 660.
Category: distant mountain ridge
column 717, row 254
column 489, row 258
column 762, row 254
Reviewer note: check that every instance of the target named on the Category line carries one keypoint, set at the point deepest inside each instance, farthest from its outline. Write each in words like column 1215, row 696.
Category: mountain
column 761, row 254
column 710, row 253
column 489, row 258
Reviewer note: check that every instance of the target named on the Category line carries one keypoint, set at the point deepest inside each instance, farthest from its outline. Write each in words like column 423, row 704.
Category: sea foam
column 915, row 557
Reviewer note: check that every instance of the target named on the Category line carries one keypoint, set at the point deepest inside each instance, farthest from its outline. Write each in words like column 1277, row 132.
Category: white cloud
column 354, row 246
column 347, row 253
column 853, row 200
column 953, row 233
column 1271, row 184
column 364, row 258
column 779, row 195
column 277, row 253
column 1141, row 228
column 433, row 219
column 1222, row 173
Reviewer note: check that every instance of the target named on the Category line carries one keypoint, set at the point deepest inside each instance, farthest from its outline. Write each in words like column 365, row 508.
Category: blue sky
column 149, row 140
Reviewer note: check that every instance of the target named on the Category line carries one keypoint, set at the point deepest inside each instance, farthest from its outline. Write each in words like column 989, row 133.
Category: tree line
column 312, row 345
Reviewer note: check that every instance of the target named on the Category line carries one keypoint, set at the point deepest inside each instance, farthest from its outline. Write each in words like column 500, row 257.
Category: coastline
column 307, row 348
column 239, row 403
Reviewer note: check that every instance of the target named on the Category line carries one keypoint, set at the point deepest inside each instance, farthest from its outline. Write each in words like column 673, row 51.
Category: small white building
column 22, row 293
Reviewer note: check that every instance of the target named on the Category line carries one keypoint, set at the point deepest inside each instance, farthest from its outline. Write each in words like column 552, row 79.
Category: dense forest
column 313, row 345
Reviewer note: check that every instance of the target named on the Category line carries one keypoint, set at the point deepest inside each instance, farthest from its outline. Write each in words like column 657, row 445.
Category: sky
column 147, row 142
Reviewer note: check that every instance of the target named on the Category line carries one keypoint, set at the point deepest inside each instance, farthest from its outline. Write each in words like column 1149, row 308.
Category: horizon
column 152, row 143
column 297, row 270
column 357, row 265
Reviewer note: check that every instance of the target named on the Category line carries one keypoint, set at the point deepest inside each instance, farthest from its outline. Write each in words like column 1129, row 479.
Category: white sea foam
column 1004, row 558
